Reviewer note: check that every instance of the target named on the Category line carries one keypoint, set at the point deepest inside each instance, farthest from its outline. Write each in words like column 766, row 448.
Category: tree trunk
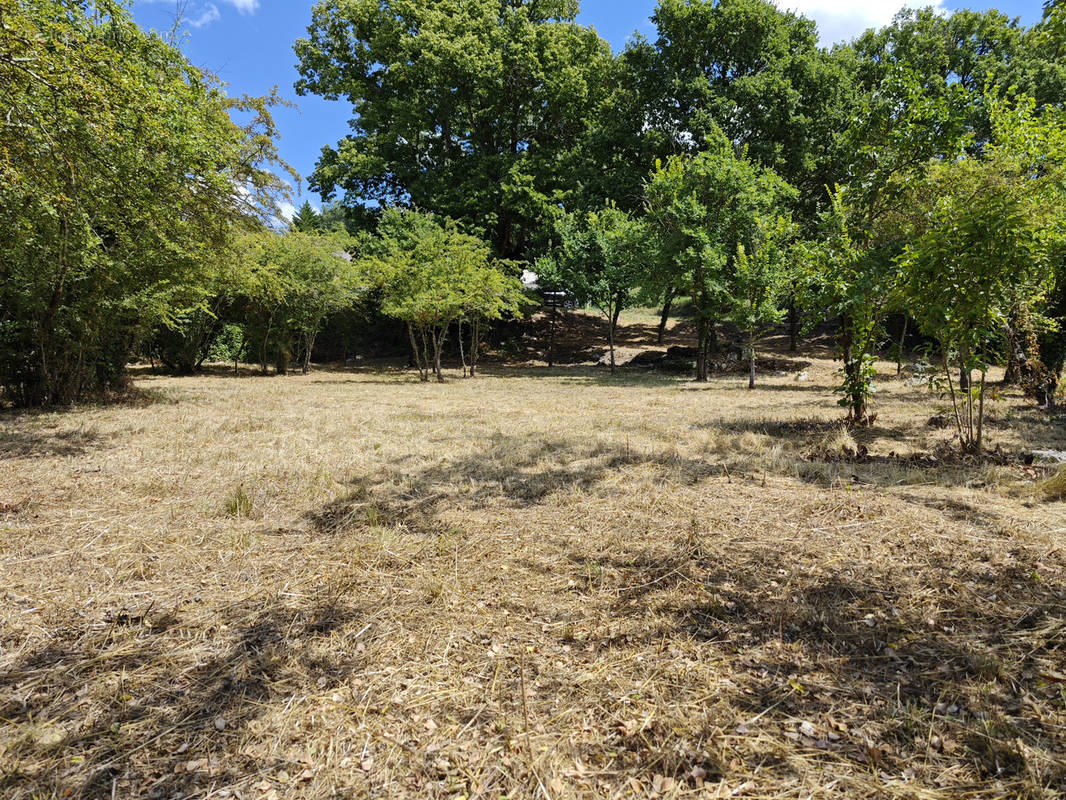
column 474, row 329
column 551, row 336
column 438, row 343
column 701, row 351
column 899, row 352
column 751, row 360
column 281, row 361
column 793, row 325
column 309, row 345
column 612, row 322
column 954, row 399
column 980, row 414
column 265, row 346
column 462, row 353
column 415, row 354
column 857, row 412
column 664, row 318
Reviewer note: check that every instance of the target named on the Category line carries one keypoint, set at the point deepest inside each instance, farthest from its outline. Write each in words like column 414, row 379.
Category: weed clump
column 1054, row 488
column 239, row 504
column 838, row 445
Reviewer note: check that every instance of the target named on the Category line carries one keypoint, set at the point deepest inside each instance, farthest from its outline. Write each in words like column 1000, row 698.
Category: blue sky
column 248, row 44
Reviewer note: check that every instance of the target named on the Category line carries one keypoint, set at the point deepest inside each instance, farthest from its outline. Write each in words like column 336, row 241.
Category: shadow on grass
column 22, row 442
column 102, row 693
column 521, row 471
column 949, row 659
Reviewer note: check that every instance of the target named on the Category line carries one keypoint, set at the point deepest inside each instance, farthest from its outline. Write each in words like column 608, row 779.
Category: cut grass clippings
column 549, row 584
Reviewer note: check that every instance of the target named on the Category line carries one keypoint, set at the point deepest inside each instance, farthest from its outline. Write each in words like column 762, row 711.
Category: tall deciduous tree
column 971, row 49
column 463, row 108
column 122, row 180
column 601, row 261
column 757, row 73
column 704, row 208
column 1055, row 25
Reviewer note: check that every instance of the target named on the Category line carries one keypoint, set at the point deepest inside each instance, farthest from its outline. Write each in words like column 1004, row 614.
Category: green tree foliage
column 601, row 261
column 122, row 181
column 462, row 108
column 984, row 249
column 972, row 49
column 432, row 276
column 760, row 280
column 1055, row 26
column 627, row 131
column 851, row 271
column 850, row 274
column 990, row 238
column 705, row 209
column 757, row 73
column 288, row 284
column 307, row 220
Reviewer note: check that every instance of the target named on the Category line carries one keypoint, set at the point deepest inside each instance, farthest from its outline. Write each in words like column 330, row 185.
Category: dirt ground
column 549, row 583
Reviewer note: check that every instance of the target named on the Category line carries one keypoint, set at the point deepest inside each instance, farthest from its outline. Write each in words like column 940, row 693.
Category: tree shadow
column 20, row 442
column 955, row 664
column 520, row 471
column 583, row 374
column 102, row 693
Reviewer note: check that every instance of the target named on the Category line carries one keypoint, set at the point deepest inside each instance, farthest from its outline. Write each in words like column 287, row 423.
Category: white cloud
column 207, row 13
column 287, row 209
column 245, row 6
column 207, row 16
column 840, row 21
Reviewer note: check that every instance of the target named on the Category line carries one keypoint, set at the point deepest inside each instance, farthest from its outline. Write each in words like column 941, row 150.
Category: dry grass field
column 535, row 584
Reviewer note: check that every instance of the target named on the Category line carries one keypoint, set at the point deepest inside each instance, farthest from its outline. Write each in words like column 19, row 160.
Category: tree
column 974, row 50
column 984, row 245
column 292, row 282
column 463, row 108
column 851, row 272
column 1055, row 24
column 600, row 261
column 306, row 219
column 704, row 209
column 1037, row 138
column 490, row 294
column 757, row 73
column 760, row 280
column 123, row 181
column 432, row 276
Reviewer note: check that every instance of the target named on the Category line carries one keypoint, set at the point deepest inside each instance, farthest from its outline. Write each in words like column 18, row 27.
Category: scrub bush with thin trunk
column 432, row 276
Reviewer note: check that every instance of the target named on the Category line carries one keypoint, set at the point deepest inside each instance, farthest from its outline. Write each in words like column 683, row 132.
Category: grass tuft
column 1054, row 488
column 239, row 503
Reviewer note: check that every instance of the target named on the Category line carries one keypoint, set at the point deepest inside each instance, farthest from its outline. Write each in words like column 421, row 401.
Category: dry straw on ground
column 548, row 584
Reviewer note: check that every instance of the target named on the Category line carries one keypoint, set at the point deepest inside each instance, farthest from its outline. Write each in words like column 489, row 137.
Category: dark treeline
column 915, row 173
